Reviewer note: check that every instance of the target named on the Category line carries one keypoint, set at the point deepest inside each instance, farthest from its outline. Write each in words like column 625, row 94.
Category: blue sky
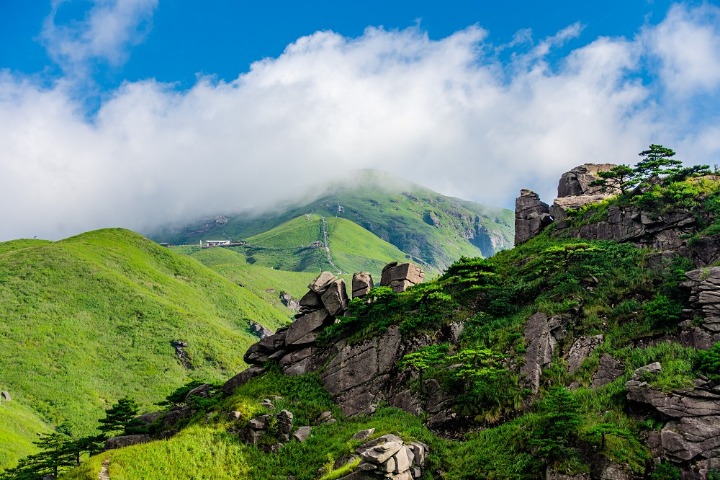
column 138, row 112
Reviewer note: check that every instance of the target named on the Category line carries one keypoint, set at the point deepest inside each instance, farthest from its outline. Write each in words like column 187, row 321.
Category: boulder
column 259, row 330
column 322, row 282
column 531, row 216
column 362, row 283
column 577, row 181
column 200, row 391
column 309, row 302
column 5, row 395
column 125, row 441
column 581, row 349
column 401, row 276
column 299, row 362
column 241, row 379
column 305, row 329
column 302, row 434
column 335, row 299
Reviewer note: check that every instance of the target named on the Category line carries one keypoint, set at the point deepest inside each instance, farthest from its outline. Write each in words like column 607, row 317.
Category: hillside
column 88, row 319
column 434, row 229
column 565, row 357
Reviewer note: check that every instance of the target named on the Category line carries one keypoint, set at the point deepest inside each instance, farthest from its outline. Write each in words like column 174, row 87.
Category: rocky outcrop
column 701, row 329
column 357, row 374
column 241, row 379
column 575, row 189
column 531, row 216
column 576, row 182
column 389, row 457
column 581, row 349
column 401, row 276
column 608, row 370
column 259, row 330
column 289, row 302
column 269, row 430
column 362, row 283
column 542, row 335
column 692, row 436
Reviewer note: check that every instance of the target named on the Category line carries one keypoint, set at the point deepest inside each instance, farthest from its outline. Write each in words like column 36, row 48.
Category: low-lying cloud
column 443, row 113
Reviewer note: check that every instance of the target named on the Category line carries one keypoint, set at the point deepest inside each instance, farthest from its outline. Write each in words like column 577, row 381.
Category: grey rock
column 289, row 302
column 241, row 379
column 577, row 181
column 355, row 376
column 322, row 282
column 5, row 395
column 302, row 434
column 125, row 441
column 402, row 461
column 613, row 471
column 325, row 417
column 299, row 362
column 363, row 434
column 202, row 391
column 691, row 437
column 305, row 329
column 531, row 216
column 310, row 301
column 401, row 276
column 260, row 422
column 608, row 370
column 362, row 283
column 702, row 330
column 540, row 345
column 259, row 330
column 335, row 299
column 581, row 349
column 176, row 414
column 381, row 452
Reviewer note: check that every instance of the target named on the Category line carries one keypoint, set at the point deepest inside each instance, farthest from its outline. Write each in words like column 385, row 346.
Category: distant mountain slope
column 432, row 228
column 92, row 318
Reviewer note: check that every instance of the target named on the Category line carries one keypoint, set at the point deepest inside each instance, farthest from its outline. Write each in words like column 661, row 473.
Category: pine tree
column 118, row 417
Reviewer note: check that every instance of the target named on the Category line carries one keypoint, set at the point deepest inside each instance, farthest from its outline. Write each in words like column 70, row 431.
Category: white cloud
column 443, row 113
column 687, row 43
column 108, row 30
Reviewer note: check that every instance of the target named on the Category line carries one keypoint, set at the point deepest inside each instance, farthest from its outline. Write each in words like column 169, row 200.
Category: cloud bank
column 445, row 113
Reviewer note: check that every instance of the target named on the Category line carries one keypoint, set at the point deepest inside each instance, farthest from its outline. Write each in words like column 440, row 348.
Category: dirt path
column 326, row 241
column 104, row 475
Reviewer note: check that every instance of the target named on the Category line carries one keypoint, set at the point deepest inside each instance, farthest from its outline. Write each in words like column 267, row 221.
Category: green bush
column 708, row 362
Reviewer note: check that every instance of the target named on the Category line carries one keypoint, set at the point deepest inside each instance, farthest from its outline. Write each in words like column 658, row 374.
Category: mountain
column 433, row 229
column 590, row 350
column 108, row 313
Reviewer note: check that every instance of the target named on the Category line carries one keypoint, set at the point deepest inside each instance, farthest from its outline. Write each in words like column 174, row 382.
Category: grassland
column 434, row 229
column 18, row 428
column 90, row 319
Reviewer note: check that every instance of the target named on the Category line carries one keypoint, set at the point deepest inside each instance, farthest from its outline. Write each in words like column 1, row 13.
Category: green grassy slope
column 91, row 318
column 18, row 428
column 265, row 282
column 288, row 247
column 424, row 224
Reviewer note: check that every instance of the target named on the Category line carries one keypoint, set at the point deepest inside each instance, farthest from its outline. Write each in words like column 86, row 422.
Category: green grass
column 434, row 229
column 288, row 247
column 90, row 319
column 204, row 448
column 18, row 428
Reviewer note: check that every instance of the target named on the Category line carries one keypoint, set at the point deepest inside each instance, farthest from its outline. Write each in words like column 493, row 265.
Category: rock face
column 401, row 276
column 608, row 370
column 692, row 436
column 531, row 216
column 702, row 327
column 581, row 349
column 358, row 373
column 667, row 232
column 542, row 335
column 576, row 182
